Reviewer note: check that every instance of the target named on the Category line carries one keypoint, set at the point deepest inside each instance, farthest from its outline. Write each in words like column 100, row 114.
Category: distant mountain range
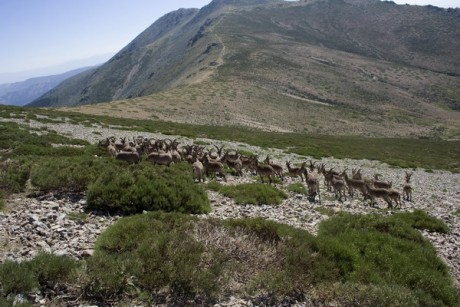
column 22, row 93
column 326, row 66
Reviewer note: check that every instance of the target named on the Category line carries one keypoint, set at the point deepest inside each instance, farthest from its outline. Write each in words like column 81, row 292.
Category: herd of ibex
column 207, row 162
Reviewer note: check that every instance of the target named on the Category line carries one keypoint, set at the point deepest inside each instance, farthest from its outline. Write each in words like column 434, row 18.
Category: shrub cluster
column 154, row 252
column 174, row 258
column 386, row 252
column 146, row 187
column 43, row 272
column 250, row 193
column 68, row 173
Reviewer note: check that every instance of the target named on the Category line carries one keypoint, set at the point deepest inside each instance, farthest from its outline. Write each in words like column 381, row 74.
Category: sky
column 43, row 37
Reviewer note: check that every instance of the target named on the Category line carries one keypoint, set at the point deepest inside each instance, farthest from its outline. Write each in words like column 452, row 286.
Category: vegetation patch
column 69, row 173
column 401, row 152
column 250, row 193
column 155, row 253
column 142, row 187
column 46, row 273
column 176, row 259
column 388, row 251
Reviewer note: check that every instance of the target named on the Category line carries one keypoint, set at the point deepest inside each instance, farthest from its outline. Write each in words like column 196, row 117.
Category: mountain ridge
column 363, row 60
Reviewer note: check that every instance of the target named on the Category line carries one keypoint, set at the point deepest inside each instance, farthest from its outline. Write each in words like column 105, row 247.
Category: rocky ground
column 59, row 223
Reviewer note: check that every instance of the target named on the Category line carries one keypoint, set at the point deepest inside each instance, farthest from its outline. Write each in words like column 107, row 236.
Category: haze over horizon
column 52, row 36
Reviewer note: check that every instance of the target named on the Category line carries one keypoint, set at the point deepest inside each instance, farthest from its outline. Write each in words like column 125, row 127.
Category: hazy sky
column 42, row 33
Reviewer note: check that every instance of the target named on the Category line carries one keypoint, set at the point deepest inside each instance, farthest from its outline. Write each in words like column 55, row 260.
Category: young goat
column 407, row 188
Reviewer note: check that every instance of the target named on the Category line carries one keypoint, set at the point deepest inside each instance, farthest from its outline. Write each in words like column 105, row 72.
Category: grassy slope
column 425, row 153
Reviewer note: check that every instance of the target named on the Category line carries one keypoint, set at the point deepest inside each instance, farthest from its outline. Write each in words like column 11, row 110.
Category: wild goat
column 354, row 184
column 407, row 188
column 160, row 158
column 396, row 196
column 296, row 171
column 214, row 167
column 339, row 187
column 234, row 161
column 110, row 146
column 328, row 175
column 381, row 184
column 277, row 168
column 128, row 156
column 378, row 193
column 198, row 170
column 312, row 179
column 264, row 170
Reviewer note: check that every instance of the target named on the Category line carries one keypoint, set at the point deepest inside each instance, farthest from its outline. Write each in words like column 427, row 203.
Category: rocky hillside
column 60, row 225
column 354, row 66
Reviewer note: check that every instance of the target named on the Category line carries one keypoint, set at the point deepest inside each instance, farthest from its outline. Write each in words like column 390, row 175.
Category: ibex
column 198, row 170
column 355, row 184
column 312, row 178
column 296, row 171
column 407, row 188
column 264, row 170
column 340, row 187
column 277, row 168
column 378, row 193
column 128, row 156
column 381, row 184
column 214, row 167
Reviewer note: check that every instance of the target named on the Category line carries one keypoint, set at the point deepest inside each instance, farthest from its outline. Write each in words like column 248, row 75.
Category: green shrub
column 69, row 173
column 146, row 187
column 50, row 269
column 14, row 176
column 300, row 265
column 250, row 193
column 17, row 278
column 157, row 249
column 388, row 251
column 45, row 270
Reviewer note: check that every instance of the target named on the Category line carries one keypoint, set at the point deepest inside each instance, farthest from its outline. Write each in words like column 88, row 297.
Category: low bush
column 388, row 251
column 146, row 187
column 157, row 252
column 43, row 272
column 17, row 278
column 14, row 175
column 250, row 193
column 69, row 173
